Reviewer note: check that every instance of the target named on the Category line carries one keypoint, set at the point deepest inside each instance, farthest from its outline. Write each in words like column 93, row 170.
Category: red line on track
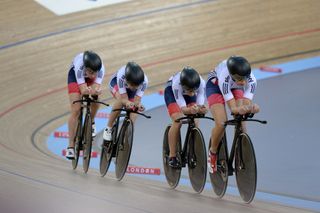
column 30, row 100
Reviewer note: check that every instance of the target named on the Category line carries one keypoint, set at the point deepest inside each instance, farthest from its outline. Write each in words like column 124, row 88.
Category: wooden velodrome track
column 163, row 36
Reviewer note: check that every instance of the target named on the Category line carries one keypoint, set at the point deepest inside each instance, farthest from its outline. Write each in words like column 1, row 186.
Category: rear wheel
column 197, row 160
column 172, row 174
column 77, row 143
column 124, row 148
column 87, row 143
column 219, row 179
column 245, row 168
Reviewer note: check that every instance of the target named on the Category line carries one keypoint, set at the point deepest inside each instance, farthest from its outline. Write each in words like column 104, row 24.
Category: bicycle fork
column 236, row 153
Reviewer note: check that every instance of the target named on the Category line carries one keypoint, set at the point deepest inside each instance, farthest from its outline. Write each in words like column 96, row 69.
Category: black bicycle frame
column 238, row 131
column 116, row 127
column 237, row 122
column 85, row 99
column 126, row 116
column 187, row 147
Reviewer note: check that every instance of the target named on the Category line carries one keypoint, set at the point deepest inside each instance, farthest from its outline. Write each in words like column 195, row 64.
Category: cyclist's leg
column 114, row 89
column 219, row 114
column 74, row 94
column 175, row 113
column 116, row 105
column 173, row 135
column 107, row 134
column 73, row 118
column 217, row 108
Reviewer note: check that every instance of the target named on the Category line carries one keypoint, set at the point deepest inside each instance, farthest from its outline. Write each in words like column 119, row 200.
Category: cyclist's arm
column 233, row 106
column 250, row 107
column 137, row 103
column 188, row 110
column 250, row 87
column 246, row 101
column 224, row 85
column 98, row 81
column 137, row 100
column 124, row 99
column 142, row 87
column 96, row 89
column 122, row 95
column 177, row 92
column 249, row 91
column 79, row 73
column 201, row 93
column 121, row 82
column 84, row 89
column 201, row 98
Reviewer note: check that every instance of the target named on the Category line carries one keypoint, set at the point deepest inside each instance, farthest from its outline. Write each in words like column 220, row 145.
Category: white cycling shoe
column 94, row 130
column 70, row 153
column 107, row 134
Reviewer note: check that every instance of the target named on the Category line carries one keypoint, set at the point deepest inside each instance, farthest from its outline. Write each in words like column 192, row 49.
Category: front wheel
column 245, row 168
column 219, row 179
column 87, row 143
column 124, row 148
column 197, row 160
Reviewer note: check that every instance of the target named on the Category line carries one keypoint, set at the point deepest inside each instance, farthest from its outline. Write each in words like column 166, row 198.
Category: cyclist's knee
column 219, row 125
column 176, row 125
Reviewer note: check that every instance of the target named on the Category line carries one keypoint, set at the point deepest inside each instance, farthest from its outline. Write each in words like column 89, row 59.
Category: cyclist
column 127, row 86
column 184, row 94
column 84, row 78
column 232, row 82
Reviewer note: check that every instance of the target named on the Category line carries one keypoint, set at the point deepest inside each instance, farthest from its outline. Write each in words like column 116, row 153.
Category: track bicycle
column 121, row 144
column 243, row 155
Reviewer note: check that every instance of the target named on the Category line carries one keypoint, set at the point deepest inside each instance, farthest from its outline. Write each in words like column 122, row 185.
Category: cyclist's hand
column 130, row 105
column 255, row 108
column 140, row 107
column 86, row 91
column 235, row 110
column 243, row 110
column 203, row 109
column 194, row 109
column 96, row 91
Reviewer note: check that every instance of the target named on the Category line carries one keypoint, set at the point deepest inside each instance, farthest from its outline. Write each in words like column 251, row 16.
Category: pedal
column 105, row 144
column 192, row 163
